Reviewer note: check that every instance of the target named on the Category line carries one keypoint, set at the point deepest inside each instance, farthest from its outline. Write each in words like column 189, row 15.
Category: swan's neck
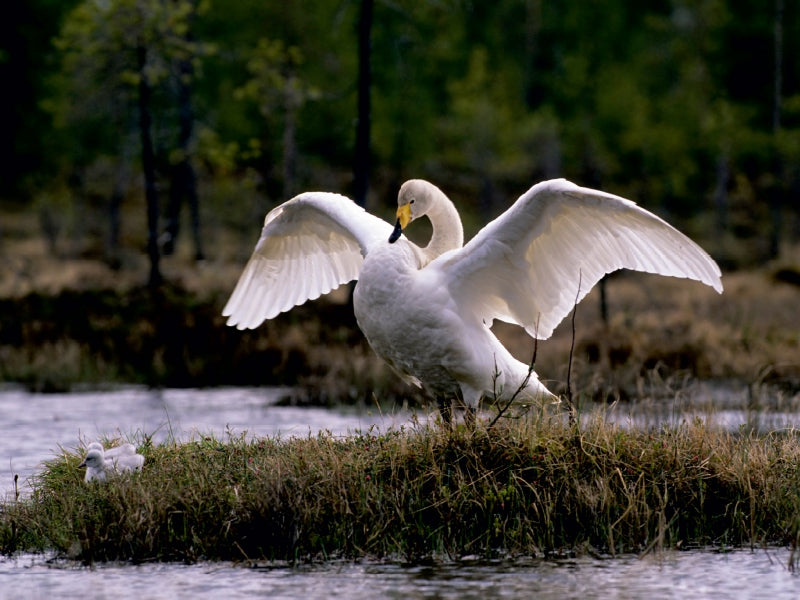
column 448, row 233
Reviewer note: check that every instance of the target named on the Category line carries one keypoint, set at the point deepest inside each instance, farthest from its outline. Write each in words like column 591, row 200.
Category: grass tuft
column 522, row 487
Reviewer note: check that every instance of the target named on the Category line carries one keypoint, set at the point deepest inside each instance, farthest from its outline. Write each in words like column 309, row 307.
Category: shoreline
column 528, row 487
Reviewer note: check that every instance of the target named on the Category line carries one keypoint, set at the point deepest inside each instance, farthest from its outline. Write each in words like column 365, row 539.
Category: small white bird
column 100, row 463
column 97, row 466
column 127, row 462
column 121, row 450
column 428, row 311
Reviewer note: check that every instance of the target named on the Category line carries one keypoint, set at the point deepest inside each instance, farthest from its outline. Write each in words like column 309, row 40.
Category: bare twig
column 570, row 403
column 521, row 386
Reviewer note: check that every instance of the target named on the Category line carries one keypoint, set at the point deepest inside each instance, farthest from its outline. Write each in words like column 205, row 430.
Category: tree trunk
column 291, row 104
column 149, row 168
column 114, row 204
column 776, row 196
column 184, row 179
column 721, row 209
column 361, row 163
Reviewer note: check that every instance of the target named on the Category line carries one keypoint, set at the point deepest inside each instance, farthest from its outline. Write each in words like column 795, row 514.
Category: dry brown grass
column 530, row 487
column 675, row 329
column 680, row 329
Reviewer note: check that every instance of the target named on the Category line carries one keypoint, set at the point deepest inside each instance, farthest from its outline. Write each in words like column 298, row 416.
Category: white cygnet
column 96, row 465
column 127, row 462
column 121, row 450
column 99, row 462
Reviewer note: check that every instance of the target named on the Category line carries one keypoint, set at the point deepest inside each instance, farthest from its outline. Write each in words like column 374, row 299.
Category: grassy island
column 534, row 486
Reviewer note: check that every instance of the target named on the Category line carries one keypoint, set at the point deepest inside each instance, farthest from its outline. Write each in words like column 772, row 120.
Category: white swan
column 427, row 311
column 99, row 463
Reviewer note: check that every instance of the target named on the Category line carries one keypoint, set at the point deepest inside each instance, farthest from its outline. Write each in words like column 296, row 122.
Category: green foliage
column 273, row 68
column 93, row 96
column 669, row 103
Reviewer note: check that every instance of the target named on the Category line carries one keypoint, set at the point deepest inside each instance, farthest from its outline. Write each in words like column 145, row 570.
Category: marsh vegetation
column 536, row 486
column 656, row 333
column 712, row 145
column 532, row 486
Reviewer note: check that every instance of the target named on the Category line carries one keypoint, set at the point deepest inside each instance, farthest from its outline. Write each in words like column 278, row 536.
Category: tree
column 362, row 152
column 776, row 196
column 668, row 103
column 183, row 180
column 26, row 155
column 115, row 57
column 275, row 85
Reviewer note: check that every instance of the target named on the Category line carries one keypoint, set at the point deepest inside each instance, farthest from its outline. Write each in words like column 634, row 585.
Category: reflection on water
column 759, row 573
column 34, row 426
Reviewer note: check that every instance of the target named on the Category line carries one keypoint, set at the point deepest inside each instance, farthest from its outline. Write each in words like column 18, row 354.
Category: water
column 33, row 428
column 742, row 574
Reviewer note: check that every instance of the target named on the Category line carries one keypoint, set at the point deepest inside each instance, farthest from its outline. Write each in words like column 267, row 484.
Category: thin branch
column 524, row 383
column 570, row 403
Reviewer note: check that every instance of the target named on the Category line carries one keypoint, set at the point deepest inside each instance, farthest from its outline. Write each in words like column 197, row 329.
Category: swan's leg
column 470, row 417
column 445, row 410
column 469, row 410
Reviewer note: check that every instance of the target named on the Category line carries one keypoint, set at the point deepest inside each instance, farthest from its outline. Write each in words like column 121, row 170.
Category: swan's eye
column 412, row 201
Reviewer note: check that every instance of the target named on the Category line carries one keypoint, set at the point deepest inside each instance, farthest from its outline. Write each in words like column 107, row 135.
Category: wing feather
column 553, row 245
column 308, row 246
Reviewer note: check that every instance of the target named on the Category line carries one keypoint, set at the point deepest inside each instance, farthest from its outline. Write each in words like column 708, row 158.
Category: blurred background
column 144, row 140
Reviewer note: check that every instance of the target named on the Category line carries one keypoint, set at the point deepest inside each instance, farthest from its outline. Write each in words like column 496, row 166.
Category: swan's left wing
column 553, row 245
column 309, row 245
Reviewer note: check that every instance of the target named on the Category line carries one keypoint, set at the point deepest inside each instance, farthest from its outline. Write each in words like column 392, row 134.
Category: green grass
column 531, row 487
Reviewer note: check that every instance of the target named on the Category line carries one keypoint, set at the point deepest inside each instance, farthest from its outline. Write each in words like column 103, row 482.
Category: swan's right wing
column 309, row 245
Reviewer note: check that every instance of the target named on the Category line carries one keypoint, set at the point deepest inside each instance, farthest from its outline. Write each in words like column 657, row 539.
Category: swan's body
column 428, row 311
column 100, row 463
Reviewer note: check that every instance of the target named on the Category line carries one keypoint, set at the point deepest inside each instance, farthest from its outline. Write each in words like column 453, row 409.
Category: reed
column 533, row 486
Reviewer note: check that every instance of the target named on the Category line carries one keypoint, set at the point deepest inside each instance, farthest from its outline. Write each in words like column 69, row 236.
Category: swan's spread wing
column 308, row 246
column 553, row 245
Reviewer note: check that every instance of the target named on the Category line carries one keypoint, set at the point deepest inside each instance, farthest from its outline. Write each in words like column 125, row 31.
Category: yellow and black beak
column 403, row 219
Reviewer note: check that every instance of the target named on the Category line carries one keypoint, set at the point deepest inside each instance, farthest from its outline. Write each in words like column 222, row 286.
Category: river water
column 741, row 574
column 34, row 427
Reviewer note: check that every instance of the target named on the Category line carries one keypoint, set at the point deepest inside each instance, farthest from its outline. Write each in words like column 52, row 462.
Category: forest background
column 123, row 118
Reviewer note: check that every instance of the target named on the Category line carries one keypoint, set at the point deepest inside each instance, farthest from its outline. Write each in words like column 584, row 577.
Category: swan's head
column 93, row 459
column 415, row 199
